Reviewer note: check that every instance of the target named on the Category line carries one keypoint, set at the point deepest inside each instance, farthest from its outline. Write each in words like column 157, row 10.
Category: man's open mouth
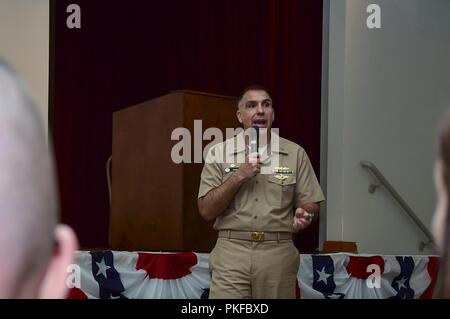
column 259, row 123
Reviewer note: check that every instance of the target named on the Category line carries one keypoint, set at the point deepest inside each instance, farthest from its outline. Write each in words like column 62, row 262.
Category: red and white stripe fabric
column 142, row 275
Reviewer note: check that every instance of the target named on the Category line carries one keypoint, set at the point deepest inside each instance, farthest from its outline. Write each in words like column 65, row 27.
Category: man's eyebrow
column 256, row 101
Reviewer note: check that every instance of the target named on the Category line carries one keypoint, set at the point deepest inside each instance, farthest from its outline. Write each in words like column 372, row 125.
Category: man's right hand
column 250, row 168
column 218, row 199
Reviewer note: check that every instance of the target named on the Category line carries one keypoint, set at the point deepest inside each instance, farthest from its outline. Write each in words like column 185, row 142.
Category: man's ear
column 238, row 115
column 53, row 284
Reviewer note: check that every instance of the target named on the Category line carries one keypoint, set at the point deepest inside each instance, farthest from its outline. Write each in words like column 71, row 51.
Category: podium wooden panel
column 154, row 201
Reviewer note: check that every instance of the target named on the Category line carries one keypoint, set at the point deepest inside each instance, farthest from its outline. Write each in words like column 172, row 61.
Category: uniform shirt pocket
column 240, row 196
column 279, row 192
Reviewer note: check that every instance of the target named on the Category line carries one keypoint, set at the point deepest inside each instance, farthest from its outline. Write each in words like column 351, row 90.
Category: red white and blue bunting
column 144, row 275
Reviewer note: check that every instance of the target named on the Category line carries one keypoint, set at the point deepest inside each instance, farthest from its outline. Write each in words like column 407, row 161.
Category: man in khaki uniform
column 253, row 204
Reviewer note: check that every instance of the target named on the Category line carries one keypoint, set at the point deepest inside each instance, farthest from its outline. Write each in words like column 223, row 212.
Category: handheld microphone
column 254, row 140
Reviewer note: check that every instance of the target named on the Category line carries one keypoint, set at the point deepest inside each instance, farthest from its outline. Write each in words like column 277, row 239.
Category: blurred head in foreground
column 441, row 226
column 34, row 250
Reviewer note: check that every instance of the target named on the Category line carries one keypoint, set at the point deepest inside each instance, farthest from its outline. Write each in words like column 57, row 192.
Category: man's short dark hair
column 254, row 87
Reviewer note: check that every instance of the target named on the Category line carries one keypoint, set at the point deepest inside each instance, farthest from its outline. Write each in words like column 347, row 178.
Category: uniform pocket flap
column 282, row 179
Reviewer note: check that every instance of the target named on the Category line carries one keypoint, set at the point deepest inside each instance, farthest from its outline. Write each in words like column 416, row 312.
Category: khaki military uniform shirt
column 267, row 201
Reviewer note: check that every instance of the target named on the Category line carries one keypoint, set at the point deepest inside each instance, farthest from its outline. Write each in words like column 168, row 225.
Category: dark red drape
column 128, row 52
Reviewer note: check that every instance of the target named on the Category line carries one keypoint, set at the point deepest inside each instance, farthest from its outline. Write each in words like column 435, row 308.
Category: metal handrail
column 108, row 180
column 108, row 177
column 382, row 181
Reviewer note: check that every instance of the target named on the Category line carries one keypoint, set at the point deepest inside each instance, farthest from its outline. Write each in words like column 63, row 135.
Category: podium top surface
column 173, row 94
column 202, row 93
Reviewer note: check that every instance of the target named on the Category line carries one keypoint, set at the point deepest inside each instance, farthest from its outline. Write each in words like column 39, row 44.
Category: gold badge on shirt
column 282, row 173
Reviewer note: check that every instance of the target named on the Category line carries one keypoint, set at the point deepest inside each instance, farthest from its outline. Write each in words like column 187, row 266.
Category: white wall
column 24, row 44
column 386, row 91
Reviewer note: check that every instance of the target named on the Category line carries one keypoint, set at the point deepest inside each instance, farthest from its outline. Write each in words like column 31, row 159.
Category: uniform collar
column 239, row 144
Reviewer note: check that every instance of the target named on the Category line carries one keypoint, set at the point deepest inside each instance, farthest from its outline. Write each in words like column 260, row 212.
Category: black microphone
column 254, row 140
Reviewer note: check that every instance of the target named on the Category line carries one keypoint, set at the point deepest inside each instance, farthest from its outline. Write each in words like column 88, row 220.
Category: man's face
column 256, row 109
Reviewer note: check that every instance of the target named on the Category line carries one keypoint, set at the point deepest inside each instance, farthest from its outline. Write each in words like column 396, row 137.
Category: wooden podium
column 154, row 200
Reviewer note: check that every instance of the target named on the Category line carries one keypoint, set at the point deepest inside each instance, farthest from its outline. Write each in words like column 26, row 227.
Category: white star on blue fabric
column 323, row 276
column 401, row 283
column 102, row 268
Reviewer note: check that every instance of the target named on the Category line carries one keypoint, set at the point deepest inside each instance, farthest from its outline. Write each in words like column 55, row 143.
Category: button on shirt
column 267, row 201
